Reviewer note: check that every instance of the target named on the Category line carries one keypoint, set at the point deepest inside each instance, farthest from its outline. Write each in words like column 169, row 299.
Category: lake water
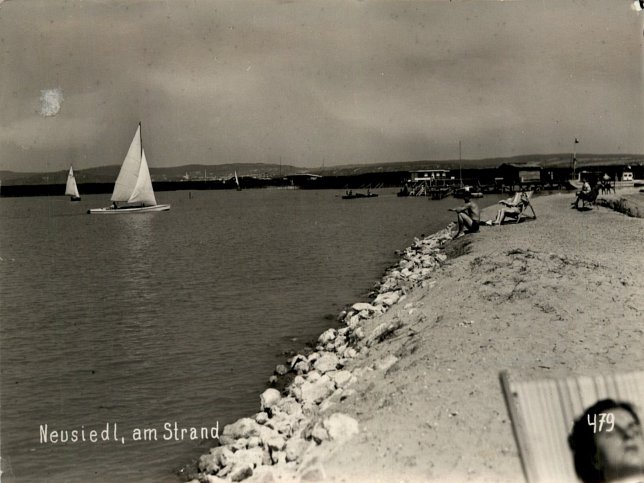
column 139, row 320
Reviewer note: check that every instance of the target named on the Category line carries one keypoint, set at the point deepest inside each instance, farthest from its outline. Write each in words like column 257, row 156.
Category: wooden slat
column 543, row 412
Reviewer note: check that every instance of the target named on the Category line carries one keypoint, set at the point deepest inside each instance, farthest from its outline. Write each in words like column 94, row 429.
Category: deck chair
column 543, row 413
column 589, row 198
column 521, row 206
column 514, row 201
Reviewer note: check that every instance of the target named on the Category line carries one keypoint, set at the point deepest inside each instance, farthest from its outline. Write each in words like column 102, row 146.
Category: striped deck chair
column 514, row 201
column 543, row 413
column 517, row 211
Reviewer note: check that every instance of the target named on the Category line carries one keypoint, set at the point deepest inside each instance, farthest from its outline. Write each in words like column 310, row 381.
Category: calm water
column 180, row 316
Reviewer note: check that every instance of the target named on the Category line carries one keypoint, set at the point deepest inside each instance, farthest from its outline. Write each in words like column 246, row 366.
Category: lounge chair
column 517, row 210
column 512, row 201
column 588, row 198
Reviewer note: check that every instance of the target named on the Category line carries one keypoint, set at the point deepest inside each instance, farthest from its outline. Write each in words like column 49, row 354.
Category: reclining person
column 512, row 209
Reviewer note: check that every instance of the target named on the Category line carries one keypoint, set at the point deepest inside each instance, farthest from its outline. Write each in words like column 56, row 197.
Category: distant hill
column 195, row 172
column 544, row 160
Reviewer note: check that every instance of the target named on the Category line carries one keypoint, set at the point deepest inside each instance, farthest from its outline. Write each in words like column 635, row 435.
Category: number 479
column 598, row 423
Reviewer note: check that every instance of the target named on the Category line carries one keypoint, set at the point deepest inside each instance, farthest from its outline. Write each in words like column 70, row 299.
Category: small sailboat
column 133, row 191
column 237, row 182
column 71, row 189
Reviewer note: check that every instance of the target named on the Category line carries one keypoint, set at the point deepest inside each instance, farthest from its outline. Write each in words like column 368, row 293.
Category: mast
column 460, row 170
column 574, row 157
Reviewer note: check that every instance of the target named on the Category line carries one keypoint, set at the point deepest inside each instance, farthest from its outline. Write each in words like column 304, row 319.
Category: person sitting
column 468, row 216
column 607, row 443
column 585, row 189
column 586, row 197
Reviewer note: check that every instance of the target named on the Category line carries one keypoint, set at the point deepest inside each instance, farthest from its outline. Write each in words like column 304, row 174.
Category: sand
column 556, row 296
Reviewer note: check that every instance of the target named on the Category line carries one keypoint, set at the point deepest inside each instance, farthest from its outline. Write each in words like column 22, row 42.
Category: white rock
column 217, row 458
column 360, row 306
column 353, row 321
column 281, row 369
column 242, row 428
column 254, row 442
column 314, row 392
column 278, row 457
column 261, row 417
column 319, row 434
column 350, row 353
column 289, row 406
column 284, row 423
column 340, row 349
column 388, row 298
column 326, row 363
column 241, row 472
column 342, row 378
column 297, row 381
column 269, row 398
column 341, row 427
column 240, row 443
column 302, row 367
column 272, row 439
column 313, row 376
column 295, row 448
column 297, row 358
column 252, row 457
column 327, row 336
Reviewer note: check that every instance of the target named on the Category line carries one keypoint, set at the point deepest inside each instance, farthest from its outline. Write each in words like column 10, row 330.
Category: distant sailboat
column 237, row 182
column 133, row 187
column 71, row 189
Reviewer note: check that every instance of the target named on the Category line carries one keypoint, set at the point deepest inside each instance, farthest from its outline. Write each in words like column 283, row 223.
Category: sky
column 318, row 82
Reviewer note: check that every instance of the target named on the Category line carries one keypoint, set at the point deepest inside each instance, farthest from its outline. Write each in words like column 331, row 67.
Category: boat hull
column 359, row 195
column 119, row 211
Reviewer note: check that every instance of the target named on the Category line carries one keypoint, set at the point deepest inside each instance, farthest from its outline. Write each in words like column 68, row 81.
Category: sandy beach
column 413, row 393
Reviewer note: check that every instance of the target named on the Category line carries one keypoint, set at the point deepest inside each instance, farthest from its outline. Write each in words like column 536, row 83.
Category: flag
column 576, row 141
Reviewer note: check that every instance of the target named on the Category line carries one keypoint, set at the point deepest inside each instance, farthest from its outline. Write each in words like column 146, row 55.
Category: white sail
column 133, row 185
column 236, row 179
column 71, row 189
column 143, row 192
column 129, row 174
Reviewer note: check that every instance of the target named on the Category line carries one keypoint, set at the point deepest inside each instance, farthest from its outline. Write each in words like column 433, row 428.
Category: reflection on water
column 175, row 316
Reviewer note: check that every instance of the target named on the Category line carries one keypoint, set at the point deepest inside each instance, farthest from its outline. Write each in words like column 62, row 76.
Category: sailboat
column 71, row 189
column 237, row 182
column 133, row 187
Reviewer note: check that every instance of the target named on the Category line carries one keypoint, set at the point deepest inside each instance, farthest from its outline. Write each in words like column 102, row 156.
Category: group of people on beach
column 468, row 216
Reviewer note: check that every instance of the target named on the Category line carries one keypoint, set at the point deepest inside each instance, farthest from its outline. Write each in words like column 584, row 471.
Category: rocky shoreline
column 278, row 441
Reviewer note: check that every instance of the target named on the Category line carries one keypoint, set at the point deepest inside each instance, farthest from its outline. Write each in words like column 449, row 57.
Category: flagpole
column 574, row 157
